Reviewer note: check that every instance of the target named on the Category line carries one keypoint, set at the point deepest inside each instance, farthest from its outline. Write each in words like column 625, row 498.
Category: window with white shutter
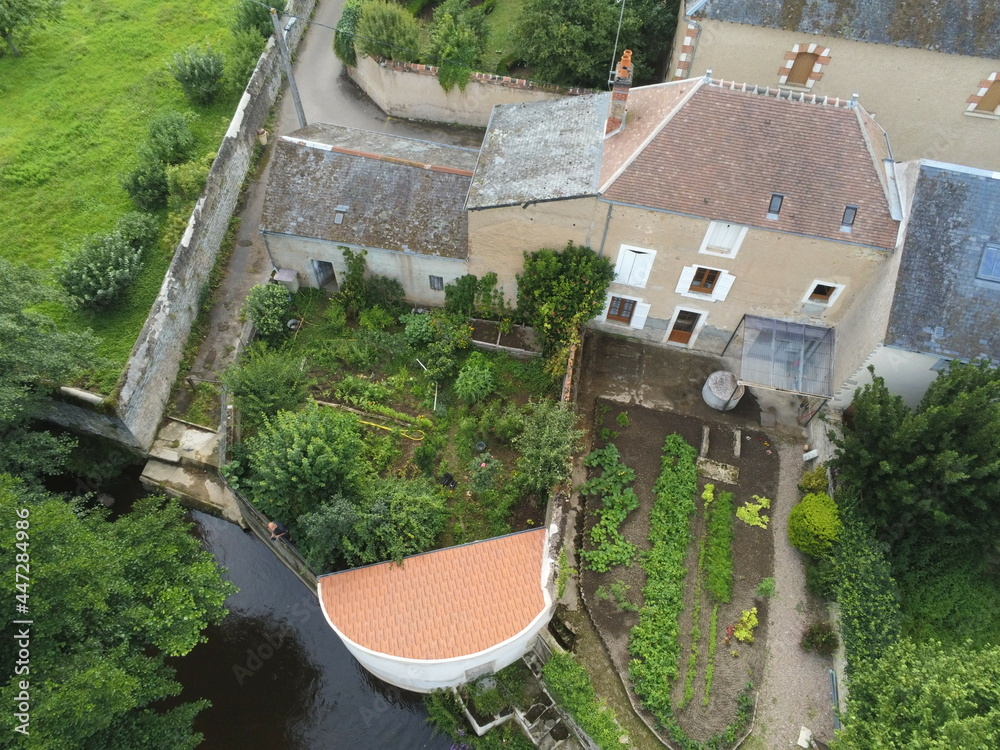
column 699, row 282
column 723, row 238
column 634, row 265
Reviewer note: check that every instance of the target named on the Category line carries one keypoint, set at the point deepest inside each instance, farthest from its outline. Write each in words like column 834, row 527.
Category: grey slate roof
column 540, row 151
column 963, row 27
column 402, row 194
column 940, row 307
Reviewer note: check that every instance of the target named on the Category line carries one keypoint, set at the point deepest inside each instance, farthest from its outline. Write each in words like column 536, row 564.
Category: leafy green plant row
column 654, row 642
column 618, row 499
column 571, row 687
column 713, row 632
column 718, row 544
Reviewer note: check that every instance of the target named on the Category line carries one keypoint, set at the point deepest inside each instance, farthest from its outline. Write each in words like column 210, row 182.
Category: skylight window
column 850, row 214
column 774, row 207
column 989, row 266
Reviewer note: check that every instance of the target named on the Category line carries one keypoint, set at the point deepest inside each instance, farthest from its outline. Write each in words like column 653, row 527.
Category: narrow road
column 329, row 96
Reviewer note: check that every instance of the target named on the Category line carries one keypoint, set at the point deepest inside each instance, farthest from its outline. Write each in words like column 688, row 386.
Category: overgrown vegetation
column 571, row 687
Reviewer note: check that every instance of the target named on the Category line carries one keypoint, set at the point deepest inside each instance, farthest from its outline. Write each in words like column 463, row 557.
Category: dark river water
column 276, row 673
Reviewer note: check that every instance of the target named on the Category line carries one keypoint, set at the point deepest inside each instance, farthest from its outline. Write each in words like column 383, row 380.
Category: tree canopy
column 925, row 697
column 17, row 16
column 930, row 473
column 109, row 602
column 35, row 358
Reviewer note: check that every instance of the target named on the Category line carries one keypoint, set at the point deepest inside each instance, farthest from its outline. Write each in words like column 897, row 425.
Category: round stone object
column 722, row 390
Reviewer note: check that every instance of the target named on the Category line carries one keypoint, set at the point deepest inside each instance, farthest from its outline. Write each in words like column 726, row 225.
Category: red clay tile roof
column 724, row 152
column 443, row 604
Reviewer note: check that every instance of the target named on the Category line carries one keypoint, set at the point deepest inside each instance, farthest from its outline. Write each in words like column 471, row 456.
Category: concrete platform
column 194, row 487
column 187, row 445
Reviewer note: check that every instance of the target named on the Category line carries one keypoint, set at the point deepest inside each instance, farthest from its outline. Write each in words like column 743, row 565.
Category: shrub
column 386, row 30
column 253, row 16
column 374, row 319
column 185, row 182
column 170, row 138
column 360, row 291
column 101, row 270
column 814, row 480
column 266, row 382
column 821, row 638
column 268, row 306
column 814, row 524
column 468, row 296
column 418, row 329
column 199, row 72
column 455, row 46
column 821, row 577
column 475, row 380
column 139, row 229
column 147, row 185
column 245, row 49
column 344, row 34
column 571, row 687
column 545, row 446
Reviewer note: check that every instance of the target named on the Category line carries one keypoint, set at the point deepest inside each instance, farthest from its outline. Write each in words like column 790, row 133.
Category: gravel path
column 796, row 688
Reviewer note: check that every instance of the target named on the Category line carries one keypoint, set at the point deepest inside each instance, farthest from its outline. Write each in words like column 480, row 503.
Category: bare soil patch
column 640, row 445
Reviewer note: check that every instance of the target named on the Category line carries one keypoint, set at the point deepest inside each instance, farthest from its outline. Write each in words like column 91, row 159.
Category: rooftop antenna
column 614, row 55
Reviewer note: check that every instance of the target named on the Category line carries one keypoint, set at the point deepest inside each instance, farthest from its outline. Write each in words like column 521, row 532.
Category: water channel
column 277, row 675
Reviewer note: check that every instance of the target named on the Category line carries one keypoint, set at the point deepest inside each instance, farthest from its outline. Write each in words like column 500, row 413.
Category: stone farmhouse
column 928, row 70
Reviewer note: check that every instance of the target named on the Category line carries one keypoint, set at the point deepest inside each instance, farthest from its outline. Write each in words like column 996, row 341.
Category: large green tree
column 387, row 30
column 35, row 358
column 17, row 16
column 925, row 697
column 930, row 474
column 108, row 602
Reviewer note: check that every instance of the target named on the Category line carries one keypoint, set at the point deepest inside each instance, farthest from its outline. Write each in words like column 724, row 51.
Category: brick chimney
column 619, row 94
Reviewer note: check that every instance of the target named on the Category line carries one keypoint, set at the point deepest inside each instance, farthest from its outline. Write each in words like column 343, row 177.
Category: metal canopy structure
column 786, row 356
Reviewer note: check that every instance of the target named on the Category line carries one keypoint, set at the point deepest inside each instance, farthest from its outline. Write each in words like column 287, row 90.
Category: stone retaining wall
column 412, row 91
column 144, row 387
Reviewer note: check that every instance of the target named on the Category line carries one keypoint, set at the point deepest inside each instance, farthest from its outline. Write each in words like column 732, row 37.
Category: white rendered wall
column 907, row 374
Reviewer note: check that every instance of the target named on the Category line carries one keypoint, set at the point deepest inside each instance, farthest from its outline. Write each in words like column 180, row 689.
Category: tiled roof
column 402, row 194
column 443, row 604
column 725, row 150
column 964, row 27
column 939, row 306
column 539, row 151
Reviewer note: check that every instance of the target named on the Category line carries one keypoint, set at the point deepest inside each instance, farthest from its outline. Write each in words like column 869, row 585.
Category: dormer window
column 850, row 214
column 338, row 217
column 774, row 207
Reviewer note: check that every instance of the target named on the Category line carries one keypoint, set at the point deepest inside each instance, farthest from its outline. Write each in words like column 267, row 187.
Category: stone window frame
column 817, row 73
column 974, row 100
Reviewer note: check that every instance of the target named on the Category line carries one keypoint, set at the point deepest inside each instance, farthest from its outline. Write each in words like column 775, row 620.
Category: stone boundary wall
column 412, row 91
column 144, row 387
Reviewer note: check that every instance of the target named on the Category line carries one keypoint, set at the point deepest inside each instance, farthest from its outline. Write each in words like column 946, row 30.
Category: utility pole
column 279, row 37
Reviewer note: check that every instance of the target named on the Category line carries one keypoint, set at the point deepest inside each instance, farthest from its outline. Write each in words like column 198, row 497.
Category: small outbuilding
column 446, row 617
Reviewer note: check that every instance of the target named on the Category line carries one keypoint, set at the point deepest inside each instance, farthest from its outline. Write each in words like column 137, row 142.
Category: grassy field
column 76, row 107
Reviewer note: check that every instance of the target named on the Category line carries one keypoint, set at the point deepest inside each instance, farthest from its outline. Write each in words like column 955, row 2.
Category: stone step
column 194, row 487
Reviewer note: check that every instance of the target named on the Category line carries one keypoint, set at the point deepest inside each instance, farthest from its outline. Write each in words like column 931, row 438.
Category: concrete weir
column 184, row 462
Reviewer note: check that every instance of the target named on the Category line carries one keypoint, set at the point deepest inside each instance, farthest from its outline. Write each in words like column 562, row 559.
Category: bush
column 245, row 49
column 821, row 577
column 147, row 185
column 814, row 481
column 268, row 306
column 821, row 638
column 264, row 383
column 386, row 30
column 813, row 524
column 140, row 230
column 343, row 35
column 374, row 319
column 170, row 138
column 360, row 291
column 545, row 445
column 185, row 183
column 455, row 44
column 475, row 380
column 571, row 687
column 419, row 331
column 101, row 270
column 199, row 72
column 253, row 16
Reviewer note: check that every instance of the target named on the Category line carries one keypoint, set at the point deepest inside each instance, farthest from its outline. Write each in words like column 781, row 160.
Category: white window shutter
column 641, row 266
column 722, row 286
column 640, row 314
column 623, row 268
column 687, row 276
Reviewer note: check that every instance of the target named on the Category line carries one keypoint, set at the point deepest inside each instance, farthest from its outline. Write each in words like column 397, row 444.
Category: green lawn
column 75, row 109
column 502, row 34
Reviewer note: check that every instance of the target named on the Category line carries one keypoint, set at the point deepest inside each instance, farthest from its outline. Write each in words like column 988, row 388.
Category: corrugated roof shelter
column 440, row 615
column 947, row 299
column 964, row 27
column 368, row 189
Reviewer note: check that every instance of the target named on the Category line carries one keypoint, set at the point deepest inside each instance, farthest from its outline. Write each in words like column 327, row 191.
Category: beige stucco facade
column 919, row 96
column 413, row 270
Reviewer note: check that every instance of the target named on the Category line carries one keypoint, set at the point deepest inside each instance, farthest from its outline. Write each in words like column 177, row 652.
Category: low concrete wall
column 411, row 90
column 144, row 387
